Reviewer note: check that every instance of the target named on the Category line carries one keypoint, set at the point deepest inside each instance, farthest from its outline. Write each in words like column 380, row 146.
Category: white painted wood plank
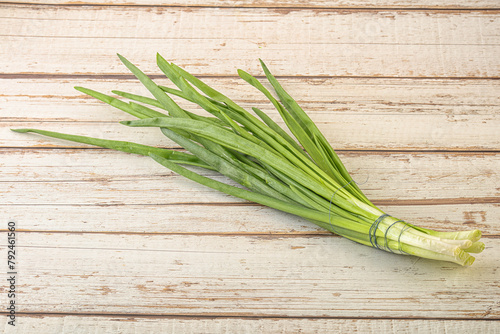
column 344, row 132
column 93, row 178
column 55, row 99
column 225, row 219
column 132, row 325
column 112, row 191
column 288, row 5
column 353, row 113
column 243, row 276
column 215, row 41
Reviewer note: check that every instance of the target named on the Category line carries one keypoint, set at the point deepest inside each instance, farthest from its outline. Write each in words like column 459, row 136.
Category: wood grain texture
column 228, row 218
column 246, row 276
column 214, row 325
column 439, row 190
column 288, row 4
column 360, row 113
column 407, row 91
column 55, row 99
column 76, row 40
column 117, row 176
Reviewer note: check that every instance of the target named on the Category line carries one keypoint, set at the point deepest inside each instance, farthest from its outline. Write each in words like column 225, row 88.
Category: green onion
column 299, row 173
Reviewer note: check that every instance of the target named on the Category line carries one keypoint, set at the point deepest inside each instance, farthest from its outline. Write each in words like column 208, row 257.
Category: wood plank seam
column 230, row 76
column 283, row 9
column 229, row 316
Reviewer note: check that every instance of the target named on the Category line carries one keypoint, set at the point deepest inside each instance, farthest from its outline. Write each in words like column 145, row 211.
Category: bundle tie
column 373, row 231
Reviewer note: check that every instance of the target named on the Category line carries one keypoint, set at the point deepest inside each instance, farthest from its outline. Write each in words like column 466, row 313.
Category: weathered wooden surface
column 215, row 41
column 360, row 113
column 293, row 4
column 216, row 325
column 108, row 242
column 245, row 275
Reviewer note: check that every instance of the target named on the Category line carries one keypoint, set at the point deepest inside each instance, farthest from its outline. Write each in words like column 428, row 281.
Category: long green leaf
column 316, row 152
column 155, row 103
column 111, row 101
column 312, row 131
column 123, row 146
column 298, row 129
column 139, row 98
column 157, row 92
column 266, row 119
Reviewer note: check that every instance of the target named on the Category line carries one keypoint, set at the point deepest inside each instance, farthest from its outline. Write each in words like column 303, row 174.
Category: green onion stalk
column 301, row 175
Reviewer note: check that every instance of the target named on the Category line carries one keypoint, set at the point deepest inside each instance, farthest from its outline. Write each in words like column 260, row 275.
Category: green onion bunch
column 299, row 173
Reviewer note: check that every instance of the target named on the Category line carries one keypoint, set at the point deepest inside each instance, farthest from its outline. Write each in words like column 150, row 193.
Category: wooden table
column 107, row 242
